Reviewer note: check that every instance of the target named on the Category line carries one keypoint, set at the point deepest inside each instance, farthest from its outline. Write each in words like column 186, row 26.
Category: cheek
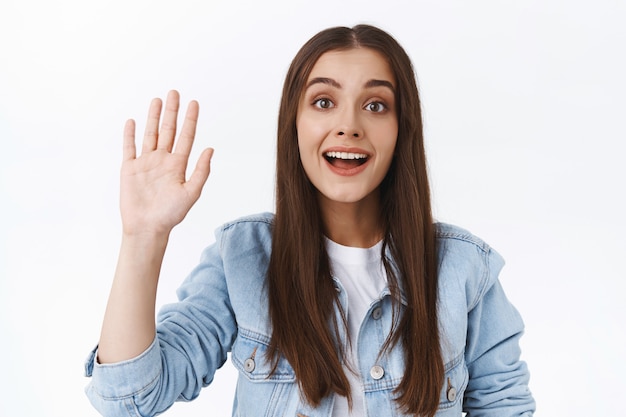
column 386, row 138
column 306, row 146
column 310, row 134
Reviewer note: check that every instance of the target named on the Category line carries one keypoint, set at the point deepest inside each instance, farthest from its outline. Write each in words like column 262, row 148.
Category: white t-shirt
column 362, row 275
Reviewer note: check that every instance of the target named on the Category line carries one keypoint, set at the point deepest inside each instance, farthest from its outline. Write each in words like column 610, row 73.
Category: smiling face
column 347, row 125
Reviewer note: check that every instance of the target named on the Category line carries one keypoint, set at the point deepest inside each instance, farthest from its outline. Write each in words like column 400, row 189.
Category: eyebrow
column 370, row 84
column 380, row 83
column 323, row 80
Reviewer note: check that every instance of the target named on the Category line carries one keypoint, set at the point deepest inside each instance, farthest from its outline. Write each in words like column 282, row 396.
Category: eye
column 323, row 103
column 376, row 107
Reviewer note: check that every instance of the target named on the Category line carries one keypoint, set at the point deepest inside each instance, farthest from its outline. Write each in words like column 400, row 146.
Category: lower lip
column 347, row 172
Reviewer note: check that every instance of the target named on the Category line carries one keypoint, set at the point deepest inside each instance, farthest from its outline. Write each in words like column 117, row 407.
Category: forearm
column 498, row 384
column 129, row 321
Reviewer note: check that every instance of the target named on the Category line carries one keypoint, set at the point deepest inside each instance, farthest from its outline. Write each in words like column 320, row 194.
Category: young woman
column 348, row 301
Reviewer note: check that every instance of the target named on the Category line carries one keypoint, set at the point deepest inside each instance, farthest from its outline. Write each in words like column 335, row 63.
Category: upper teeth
column 346, row 155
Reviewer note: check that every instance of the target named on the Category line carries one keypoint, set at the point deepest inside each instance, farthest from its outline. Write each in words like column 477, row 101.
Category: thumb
column 201, row 171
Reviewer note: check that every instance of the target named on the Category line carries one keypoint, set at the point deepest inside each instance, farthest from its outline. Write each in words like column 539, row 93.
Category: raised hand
column 155, row 194
column 155, row 197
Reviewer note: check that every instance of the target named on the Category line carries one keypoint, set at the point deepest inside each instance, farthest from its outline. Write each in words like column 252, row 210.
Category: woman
column 348, row 301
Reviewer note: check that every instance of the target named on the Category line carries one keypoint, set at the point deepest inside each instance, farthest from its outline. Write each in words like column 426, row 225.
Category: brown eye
column 376, row 107
column 323, row 103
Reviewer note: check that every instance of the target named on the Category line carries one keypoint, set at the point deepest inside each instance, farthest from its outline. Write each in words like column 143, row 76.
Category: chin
column 350, row 197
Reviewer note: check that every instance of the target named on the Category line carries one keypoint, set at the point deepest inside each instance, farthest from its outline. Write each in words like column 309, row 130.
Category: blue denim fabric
column 223, row 308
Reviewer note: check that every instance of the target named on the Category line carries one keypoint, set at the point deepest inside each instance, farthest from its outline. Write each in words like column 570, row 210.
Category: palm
column 155, row 195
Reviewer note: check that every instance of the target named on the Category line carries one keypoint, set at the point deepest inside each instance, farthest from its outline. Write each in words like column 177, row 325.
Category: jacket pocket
column 454, row 384
column 259, row 391
column 249, row 355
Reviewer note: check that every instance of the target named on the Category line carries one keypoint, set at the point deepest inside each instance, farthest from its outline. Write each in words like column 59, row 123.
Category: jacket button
column 377, row 372
column 377, row 313
column 451, row 394
column 249, row 365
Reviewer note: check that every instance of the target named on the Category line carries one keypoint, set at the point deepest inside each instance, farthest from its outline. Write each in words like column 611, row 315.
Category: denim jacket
column 223, row 308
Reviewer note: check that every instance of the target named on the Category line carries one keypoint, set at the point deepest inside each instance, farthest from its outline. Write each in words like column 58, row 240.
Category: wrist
column 145, row 233
column 145, row 240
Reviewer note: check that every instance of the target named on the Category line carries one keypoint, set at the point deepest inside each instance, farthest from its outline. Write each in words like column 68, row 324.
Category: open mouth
column 345, row 160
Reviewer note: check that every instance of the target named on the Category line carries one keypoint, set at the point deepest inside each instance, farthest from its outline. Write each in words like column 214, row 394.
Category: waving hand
column 155, row 194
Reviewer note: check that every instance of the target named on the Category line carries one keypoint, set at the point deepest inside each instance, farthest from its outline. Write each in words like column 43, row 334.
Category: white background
column 524, row 106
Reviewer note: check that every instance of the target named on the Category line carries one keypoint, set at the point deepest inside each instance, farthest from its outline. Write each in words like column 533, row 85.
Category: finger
column 188, row 131
column 128, row 149
column 152, row 126
column 201, row 172
column 168, row 125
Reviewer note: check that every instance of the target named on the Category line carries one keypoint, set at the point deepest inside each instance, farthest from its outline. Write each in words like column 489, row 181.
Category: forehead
column 353, row 63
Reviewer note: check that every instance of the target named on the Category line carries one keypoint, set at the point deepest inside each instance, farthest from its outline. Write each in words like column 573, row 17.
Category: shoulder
column 466, row 261
column 244, row 237
column 451, row 234
column 259, row 220
column 456, row 241
column 254, row 227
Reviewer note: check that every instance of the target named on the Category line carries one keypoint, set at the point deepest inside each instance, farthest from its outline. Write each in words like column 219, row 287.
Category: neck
column 353, row 224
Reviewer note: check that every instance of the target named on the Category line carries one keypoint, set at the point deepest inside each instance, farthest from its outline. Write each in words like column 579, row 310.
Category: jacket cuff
column 126, row 378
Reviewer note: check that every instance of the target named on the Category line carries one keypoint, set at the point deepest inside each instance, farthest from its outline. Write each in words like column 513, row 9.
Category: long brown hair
column 302, row 298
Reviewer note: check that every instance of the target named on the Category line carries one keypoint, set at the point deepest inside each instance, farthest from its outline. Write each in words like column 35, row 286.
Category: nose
column 348, row 125
column 354, row 134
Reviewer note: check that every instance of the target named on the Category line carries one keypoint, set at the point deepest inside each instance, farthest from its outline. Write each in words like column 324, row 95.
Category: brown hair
column 302, row 297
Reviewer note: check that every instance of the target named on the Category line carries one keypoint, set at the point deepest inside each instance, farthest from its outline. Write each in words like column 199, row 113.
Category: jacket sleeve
column 498, row 379
column 193, row 338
